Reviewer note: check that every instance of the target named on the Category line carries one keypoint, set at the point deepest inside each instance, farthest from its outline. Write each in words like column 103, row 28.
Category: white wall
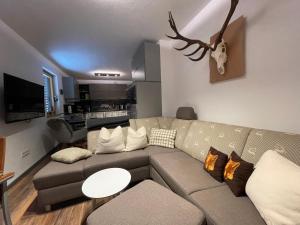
column 19, row 58
column 268, row 96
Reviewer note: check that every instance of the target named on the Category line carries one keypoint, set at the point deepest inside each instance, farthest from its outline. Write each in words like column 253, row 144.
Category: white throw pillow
column 71, row 155
column 110, row 142
column 136, row 139
column 274, row 189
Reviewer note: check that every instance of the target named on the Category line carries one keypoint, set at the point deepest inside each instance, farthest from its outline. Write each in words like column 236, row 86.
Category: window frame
column 51, row 77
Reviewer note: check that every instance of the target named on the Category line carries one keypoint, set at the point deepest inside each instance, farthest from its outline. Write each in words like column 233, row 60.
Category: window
column 49, row 93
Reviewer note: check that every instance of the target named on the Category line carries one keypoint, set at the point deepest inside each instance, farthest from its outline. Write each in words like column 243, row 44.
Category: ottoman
column 148, row 203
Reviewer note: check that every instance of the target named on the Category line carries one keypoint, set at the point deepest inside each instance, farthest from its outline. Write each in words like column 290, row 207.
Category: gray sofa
column 179, row 169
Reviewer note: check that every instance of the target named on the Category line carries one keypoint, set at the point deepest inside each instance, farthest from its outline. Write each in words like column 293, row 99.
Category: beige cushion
column 136, row 139
column 92, row 138
column 162, row 137
column 182, row 127
column 274, row 188
column 132, row 124
column 203, row 135
column 71, row 155
column 110, row 142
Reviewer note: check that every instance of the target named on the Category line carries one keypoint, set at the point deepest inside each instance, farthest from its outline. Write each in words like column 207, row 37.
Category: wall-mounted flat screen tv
column 23, row 100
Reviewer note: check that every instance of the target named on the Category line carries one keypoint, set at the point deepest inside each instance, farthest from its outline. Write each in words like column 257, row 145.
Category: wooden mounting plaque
column 234, row 37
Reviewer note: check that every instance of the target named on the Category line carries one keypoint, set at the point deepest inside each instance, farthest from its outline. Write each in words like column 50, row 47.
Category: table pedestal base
column 96, row 203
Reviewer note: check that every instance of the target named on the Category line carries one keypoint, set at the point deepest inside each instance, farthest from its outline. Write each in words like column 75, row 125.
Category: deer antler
column 201, row 44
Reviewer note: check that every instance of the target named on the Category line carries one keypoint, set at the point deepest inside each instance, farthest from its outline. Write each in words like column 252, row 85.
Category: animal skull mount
column 218, row 49
column 220, row 56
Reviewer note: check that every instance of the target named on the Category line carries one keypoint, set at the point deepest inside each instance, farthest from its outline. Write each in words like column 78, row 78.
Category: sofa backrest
column 260, row 141
column 182, row 127
column 195, row 137
column 92, row 137
column 165, row 122
column 225, row 138
column 148, row 123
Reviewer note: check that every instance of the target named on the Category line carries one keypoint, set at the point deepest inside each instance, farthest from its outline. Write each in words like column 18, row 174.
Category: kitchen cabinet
column 145, row 64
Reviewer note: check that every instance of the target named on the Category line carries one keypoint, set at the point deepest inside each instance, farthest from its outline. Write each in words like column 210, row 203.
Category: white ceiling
column 82, row 36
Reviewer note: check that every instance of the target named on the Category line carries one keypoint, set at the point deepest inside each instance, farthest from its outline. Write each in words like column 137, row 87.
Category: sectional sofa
column 179, row 169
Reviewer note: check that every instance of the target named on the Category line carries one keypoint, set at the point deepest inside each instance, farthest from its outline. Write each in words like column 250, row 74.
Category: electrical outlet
column 25, row 153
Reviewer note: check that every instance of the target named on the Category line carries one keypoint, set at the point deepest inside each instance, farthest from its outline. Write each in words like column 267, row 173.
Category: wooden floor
column 24, row 211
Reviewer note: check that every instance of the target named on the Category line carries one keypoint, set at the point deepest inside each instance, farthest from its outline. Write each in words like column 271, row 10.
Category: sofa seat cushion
column 148, row 203
column 152, row 150
column 182, row 173
column 57, row 173
column 125, row 160
column 221, row 207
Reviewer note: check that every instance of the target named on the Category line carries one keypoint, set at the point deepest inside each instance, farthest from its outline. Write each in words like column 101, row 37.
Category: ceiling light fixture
column 107, row 74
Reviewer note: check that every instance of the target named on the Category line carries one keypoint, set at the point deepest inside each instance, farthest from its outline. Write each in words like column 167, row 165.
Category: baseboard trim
column 26, row 172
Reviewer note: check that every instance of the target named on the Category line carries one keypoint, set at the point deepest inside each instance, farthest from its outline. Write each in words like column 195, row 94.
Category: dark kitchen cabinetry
column 84, row 92
column 70, row 88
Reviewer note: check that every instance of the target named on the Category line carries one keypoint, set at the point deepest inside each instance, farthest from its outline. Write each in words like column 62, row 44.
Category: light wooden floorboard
column 24, row 210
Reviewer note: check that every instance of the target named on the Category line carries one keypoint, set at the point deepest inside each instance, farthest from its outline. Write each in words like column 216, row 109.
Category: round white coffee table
column 105, row 183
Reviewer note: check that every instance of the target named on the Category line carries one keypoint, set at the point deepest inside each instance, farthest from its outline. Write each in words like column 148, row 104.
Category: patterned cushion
column 162, row 137
column 148, row 123
column 182, row 127
column 259, row 141
column 226, row 138
column 165, row 122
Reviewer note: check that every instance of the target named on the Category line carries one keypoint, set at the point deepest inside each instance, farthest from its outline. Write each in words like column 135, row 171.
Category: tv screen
column 23, row 100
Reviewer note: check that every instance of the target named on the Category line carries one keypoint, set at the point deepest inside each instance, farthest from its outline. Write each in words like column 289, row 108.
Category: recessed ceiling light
column 127, row 82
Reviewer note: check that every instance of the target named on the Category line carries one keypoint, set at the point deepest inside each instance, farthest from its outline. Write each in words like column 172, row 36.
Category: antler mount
column 201, row 45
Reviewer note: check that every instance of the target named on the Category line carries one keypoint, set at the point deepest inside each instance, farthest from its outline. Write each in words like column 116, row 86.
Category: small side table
column 105, row 183
column 4, row 202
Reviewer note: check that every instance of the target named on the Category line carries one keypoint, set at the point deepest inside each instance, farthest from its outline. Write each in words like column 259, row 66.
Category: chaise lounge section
column 180, row 169
column 163, row 208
